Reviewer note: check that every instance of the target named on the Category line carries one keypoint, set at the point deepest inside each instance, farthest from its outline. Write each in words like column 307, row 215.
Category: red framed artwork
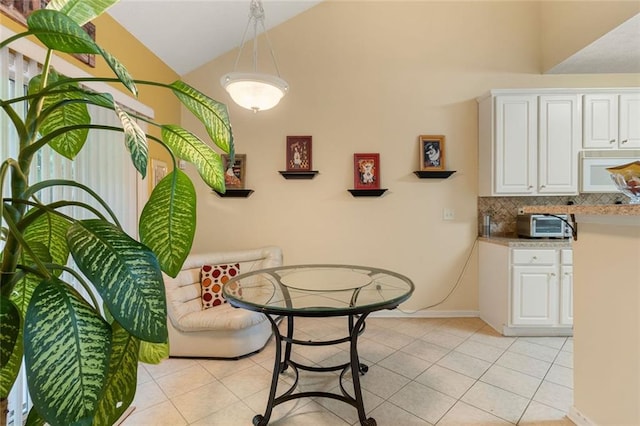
column 366, row 171
column 298, row 153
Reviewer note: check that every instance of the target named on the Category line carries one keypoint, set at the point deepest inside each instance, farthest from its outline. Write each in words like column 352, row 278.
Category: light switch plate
column 448, row 214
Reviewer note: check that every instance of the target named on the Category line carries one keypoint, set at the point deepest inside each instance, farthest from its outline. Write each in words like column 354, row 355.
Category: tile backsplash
column 503, row 210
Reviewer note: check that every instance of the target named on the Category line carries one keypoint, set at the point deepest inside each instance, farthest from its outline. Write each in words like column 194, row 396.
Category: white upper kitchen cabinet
column 515, row 144
column 528, row 143
column 611, row 120
column 558, row 144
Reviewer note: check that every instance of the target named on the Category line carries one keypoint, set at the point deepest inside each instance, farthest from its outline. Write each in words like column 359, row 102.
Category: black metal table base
column 282, row 364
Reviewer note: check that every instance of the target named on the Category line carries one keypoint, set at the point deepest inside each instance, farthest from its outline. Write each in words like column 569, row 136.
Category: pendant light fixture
column 253, row 90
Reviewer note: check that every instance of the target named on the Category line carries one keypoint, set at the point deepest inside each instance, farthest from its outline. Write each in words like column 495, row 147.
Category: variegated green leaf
column 59, row 32
column 81, row 11
column 211, row 113
column 121, row 381
column 153, row 353
column 125, row 273
column 120, row 71
column 135, row 141
column 9, row 329
column 168, row 221
column 188, row 146
column 60, row 114
column 9, row 372
column 66, row 350
column 51, row 230
column 34, row 418
column 10, row 345
column 47, row 238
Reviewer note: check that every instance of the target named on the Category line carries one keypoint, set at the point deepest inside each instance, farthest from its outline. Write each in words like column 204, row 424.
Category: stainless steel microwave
column 543, row 226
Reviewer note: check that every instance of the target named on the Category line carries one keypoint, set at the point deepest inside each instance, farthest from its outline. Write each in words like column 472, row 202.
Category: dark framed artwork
column 431, row 152
column 298, row 153
column 366, row 171
column 234, row 175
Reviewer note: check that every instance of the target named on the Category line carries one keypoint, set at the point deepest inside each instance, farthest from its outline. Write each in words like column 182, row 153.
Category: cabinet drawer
column 533, row 257
column 566, row 256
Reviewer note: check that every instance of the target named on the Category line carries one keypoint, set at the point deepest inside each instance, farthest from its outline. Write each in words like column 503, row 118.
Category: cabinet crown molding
column 560, row 91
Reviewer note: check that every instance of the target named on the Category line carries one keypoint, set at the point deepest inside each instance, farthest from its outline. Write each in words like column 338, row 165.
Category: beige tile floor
column 455, row 371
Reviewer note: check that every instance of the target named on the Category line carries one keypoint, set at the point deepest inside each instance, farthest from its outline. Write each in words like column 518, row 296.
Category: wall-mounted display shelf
column 434, row 174
column 310, row 174
column 235, row 193
column 367, row 192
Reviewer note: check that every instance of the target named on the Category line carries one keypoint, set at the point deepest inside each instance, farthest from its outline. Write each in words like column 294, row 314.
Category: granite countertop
column 596, row 209
column 516, row 242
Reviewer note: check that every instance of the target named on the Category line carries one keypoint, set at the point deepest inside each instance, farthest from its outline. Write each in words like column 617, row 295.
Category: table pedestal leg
column 357, row 369
column 278, row 367
column 282, row 363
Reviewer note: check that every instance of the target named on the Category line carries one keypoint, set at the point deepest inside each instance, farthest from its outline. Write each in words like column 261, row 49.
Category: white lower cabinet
column 526, row 291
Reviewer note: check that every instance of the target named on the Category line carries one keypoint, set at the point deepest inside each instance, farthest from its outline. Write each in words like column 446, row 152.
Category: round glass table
column 319, row 291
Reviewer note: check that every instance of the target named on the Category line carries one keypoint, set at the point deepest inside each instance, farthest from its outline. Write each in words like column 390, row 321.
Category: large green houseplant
column 81, row 359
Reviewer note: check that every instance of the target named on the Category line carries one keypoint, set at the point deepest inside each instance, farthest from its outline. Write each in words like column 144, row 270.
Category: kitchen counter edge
column 514, row 242
column 596, row 209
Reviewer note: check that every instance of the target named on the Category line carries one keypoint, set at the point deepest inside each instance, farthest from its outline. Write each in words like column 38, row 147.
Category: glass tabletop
column 318, row 290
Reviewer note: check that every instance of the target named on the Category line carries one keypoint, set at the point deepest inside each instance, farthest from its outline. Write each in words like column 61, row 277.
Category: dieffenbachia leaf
column 59, row 114
column 12, row 353
column 135, row 141
column 125, row 273
column 120, row 387
column 59, row 32
column 211, row 113
column 153, row 353
column 168, row 221
column 66, row 349
column 188, row 146
column 81, row 11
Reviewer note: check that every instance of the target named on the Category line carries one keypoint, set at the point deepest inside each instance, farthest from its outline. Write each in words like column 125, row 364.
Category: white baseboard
column 578, row 418
column 425, row 313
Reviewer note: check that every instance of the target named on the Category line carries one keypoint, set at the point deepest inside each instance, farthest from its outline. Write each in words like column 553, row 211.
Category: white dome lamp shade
column 255, row 91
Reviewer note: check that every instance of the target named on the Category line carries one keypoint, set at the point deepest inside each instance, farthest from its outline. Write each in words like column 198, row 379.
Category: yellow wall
column 372, row 77
column 569, row 26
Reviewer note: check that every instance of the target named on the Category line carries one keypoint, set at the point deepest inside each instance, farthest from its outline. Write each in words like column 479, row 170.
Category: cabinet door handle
column 530, row 187
column 543, row 186
column 553, row 274
column 625, row 141
column 612, row 141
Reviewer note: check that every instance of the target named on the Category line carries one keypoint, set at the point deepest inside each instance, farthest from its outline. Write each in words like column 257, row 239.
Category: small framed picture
column 234, row 175
column 431, row 152
column 366, row 171
column 158, row 171
column 298, row 153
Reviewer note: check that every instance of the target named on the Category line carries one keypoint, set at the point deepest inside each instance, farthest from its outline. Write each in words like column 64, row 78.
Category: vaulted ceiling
column 186, row 34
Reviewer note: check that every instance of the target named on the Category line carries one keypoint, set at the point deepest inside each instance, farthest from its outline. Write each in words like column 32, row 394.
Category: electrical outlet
column 448, row 214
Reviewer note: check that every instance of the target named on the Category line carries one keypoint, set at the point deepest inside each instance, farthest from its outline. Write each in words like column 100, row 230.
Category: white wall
column 372, row 77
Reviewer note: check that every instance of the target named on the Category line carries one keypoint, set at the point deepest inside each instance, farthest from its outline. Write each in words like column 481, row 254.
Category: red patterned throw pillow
column 212, row 278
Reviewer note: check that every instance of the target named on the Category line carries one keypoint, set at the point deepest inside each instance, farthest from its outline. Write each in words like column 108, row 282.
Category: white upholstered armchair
column 221, row 331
